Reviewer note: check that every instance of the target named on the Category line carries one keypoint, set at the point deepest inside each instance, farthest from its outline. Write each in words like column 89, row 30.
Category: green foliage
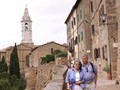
column 56, row 52
column 11, row 81
column 4, row 84
column 14, row 63
column 62, row 54
column 47, row 59
column 3, row 65
column 51, row 57
column 106, row 69
column 14, row 88
column 43, row 60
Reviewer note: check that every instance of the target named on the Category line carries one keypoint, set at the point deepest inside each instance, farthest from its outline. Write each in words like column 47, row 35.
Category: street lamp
column 103, row 18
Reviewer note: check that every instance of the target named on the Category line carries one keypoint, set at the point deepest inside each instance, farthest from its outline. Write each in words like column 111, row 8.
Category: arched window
column 26, row 26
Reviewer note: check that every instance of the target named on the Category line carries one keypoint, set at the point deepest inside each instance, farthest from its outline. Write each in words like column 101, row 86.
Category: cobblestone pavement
column 104, row 84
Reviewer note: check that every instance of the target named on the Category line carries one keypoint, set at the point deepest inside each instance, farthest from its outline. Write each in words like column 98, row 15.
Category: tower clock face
column 26, row 26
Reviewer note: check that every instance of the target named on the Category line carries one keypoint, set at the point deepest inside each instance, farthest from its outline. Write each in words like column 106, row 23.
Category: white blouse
column 77, row 76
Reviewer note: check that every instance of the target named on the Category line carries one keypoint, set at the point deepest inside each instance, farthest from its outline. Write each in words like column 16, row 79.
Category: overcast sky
column 48, row 17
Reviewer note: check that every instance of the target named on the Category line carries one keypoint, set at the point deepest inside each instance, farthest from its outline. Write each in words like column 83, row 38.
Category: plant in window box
column 107, row 70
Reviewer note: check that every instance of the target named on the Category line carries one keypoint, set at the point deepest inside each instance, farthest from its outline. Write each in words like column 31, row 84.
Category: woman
column 75, row 77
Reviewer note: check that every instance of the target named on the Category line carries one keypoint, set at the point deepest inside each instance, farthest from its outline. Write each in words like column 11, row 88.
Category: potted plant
column 107, row 70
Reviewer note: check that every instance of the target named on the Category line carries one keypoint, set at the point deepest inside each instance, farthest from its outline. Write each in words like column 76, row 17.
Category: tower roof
column 26, row 15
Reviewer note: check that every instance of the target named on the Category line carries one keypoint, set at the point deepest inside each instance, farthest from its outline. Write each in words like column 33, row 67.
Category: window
column 96, row 53
column 74, row 21
column 81, row 36
column 91, row 4
column 51, row 50
column 26, row 26
column 78, row 17
column 69, row 45
column 93, row 30
column 80, row 13
column 99, row 52
column 101, row 12
column 76, row 40
column 27, row 61
column 72, row 43
column 103, row 54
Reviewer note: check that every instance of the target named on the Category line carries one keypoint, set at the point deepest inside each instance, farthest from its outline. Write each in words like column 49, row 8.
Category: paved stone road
column 104, row 84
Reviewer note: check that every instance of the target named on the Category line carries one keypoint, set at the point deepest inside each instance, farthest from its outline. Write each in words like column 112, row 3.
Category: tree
column 14, row 63
column 56, row 51
column 47, row 58
column 4, row 84
column 3, row 65
column 62, row 54
column 11, row 82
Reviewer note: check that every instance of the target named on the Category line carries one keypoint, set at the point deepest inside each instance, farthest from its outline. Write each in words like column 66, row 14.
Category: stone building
column 118, row 18
column 92, row 27
column 42, row 51
column 104, row 32
column 27, row 48
column 78, row 29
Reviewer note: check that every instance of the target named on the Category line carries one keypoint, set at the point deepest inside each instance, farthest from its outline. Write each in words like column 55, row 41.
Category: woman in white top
column 75, row 77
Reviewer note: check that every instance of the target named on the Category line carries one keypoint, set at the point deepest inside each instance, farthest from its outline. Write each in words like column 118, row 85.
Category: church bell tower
column 26, row 28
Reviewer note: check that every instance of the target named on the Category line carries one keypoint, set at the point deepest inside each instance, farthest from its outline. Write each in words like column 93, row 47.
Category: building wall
column 80, row 34
column 42, row 51
column 84, row 27
column 2, row 54
column 113, row 34
column 105, row 33
column 23, row 51
column 118, row 59
column 99, row 34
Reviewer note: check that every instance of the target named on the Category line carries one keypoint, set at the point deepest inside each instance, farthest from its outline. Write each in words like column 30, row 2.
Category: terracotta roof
column 4, row 50
column 64, row 45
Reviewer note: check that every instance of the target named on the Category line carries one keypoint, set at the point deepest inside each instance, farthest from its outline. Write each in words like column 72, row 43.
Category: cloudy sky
column 48, row 18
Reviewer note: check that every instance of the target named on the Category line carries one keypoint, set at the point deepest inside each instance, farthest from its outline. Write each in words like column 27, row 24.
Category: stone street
column 104, row 84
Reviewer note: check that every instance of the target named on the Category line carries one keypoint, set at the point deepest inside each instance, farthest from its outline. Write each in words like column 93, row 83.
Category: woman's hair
column 78, row 61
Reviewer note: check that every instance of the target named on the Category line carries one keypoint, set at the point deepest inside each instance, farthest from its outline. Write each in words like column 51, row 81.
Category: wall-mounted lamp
column 103, row 17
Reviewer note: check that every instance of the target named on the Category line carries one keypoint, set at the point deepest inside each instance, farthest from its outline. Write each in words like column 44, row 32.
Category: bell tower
column 26, row 28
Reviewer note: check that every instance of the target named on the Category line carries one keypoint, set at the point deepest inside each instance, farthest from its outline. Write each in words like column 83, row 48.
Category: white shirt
column 77, row 76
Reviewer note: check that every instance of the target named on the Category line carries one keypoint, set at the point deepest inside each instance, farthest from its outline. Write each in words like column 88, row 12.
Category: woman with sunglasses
column 75, row 77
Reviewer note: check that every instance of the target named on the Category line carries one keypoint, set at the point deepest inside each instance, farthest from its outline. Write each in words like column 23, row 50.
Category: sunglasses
column 86, row 69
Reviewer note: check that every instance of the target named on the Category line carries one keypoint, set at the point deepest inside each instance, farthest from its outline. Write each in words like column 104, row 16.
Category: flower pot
column 108, row 76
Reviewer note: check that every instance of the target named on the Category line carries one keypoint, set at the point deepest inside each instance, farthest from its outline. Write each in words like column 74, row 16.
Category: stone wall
column 57, row 81
column 118, row 18
column 44, row 75
column 39, row 78
column 30, row 76
column 61, row 61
